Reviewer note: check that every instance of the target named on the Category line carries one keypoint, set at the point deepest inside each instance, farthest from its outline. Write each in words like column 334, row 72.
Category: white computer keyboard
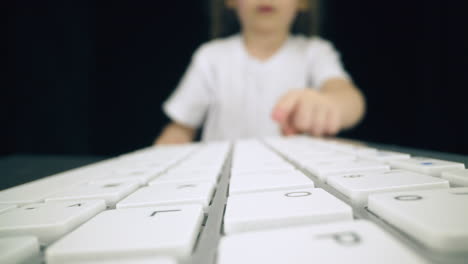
column 274, row 200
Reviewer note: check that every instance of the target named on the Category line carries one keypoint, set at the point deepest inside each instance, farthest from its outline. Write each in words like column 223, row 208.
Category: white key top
column 207, row 161
column 325, row 169
column 436, row 218
column 251, row 159
column 265, row 171
column 141, row 175
column 246, row 157
column 213, row 172
column 249, row 173
column 35, row 191
column 328, row 157
column 119, row 180
column 353, row 149
column 359, row 186
column 196, row 170
column 48, row 221
column 138, row 166
column 187, row 176
column 143, row 233
column 291, row 179
column 357, row 242
column 423, row 165
column 255, row 211
column 457, row 177
column 38, row 190
column 19, row 250
column 6, row 207
column 154, row 260
column 111, row 192
column 305, row 150
column 283, row 165
column 170, row 194
column 384, row 156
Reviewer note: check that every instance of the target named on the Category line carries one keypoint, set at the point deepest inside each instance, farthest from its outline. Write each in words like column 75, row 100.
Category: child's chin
column 266, row 25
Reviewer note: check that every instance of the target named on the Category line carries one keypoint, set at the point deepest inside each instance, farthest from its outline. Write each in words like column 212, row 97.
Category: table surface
column 21, row 168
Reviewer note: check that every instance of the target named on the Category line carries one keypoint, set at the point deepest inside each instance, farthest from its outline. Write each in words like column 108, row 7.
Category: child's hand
column 308, row 111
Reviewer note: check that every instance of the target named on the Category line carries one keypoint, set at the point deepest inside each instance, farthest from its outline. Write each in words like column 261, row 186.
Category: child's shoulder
column 311, row 44
column 219, row 47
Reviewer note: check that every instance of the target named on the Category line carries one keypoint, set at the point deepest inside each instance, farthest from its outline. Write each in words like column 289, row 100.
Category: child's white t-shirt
column 233, row 94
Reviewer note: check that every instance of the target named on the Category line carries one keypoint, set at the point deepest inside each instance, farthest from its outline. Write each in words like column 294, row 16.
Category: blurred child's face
column 267, row 15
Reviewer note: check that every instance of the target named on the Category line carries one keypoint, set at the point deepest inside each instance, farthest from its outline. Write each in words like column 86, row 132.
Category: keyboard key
column 265, row 171
column 110, row 191
column 358, row 242
column 48, row 221
column 116, row 181
column 255, row 159
column 170, row 194
column 384, row 156
column 353, row 149
column 304, row 160
column 432, row 167
column 196, row 170
column 17, row 250
column 136, row 233
column 206, row 161
column 36, row 191
column 307, row 149
column 323, row 170
column 154, row 260
column 456, row 177
column 257, row 182
column 265, row 167
column 6, row 207
column 277, row 209
column 178, row 177
column 436, row 218
column 141, row 175
column 137, row 166
column 360, row 185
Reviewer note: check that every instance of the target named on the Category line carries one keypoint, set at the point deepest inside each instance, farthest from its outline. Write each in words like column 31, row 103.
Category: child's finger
column 287, row 126
column 303, row 116
column 288, row 130
column 333, row 123
column 318, row 122
column 284, row 107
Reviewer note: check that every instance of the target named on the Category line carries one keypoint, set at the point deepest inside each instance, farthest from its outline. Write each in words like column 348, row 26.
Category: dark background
column 89, row 77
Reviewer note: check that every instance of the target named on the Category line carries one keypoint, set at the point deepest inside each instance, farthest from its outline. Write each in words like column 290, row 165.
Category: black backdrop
column 89, row 77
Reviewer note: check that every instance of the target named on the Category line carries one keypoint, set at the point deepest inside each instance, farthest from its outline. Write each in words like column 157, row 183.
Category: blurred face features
column 267, row 15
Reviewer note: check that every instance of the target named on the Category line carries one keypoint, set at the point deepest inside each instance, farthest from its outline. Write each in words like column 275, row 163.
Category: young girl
column 264, row 81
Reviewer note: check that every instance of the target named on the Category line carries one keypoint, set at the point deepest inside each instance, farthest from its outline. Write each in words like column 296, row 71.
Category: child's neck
column 263, row 45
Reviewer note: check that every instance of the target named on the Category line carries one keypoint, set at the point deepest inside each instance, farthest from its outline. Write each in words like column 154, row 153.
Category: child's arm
column 338, row 105
column 175, row 133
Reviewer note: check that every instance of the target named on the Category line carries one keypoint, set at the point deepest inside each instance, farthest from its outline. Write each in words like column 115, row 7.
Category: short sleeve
column 189, row 103
column 325, row 62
